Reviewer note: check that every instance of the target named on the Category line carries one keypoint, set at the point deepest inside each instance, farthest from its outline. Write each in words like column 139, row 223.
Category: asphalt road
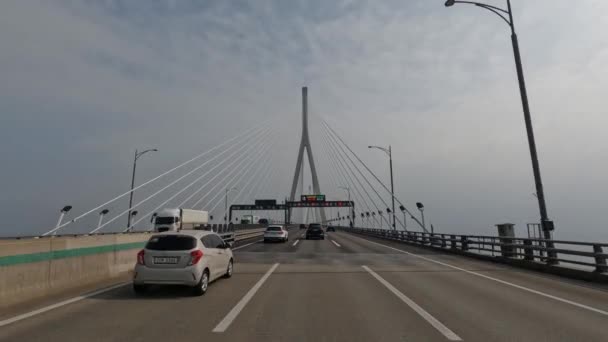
column 344, row 288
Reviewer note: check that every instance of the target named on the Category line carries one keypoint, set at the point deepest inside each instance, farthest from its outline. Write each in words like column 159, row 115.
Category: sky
column 85, row 83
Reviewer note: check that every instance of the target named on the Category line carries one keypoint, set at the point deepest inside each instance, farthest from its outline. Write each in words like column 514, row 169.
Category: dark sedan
column 315, row 231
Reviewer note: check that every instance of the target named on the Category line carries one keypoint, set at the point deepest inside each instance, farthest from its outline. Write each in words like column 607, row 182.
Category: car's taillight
column 195, row 257
column 140, row 258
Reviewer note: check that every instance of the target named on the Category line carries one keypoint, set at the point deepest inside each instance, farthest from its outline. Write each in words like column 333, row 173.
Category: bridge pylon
column 305, row 145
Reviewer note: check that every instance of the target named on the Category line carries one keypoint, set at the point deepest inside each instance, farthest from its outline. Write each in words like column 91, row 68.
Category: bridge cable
column 246, row 134
column 341, row 155
column 265, row 176
column 172, row 197
column 239, row 174
column 263, row 160
column 218, row 174
column 266, row 133
column 374, row 175
column 343, row 162
column 347, row 177
column 248, row 156
column 368, row 183
column 332, row 166
column 186, row 187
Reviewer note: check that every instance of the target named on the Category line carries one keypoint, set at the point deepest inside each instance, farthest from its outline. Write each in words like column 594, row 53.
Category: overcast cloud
column 85, row 83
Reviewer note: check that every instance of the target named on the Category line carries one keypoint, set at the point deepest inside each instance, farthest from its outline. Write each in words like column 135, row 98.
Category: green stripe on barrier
column 67, row 253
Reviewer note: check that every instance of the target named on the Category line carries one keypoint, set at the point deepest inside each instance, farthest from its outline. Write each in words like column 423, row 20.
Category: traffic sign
column 312, row 198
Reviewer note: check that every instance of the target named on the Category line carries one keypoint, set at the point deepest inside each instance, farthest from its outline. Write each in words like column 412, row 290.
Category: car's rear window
column 171, row 243
column 273, row 229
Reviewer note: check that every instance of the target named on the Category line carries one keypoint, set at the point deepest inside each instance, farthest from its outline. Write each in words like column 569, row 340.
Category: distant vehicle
column 331, row 229
column 250, row 219
column 315, row 231
column 276, row 233
column 178, row 219
column 302, row 226
column 263, row 221
column 192, row 258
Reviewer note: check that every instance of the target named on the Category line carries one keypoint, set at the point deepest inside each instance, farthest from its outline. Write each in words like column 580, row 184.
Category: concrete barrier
column 38, row 267
column 35, row 268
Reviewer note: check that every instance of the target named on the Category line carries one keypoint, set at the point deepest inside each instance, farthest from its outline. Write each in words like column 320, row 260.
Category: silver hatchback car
column 190, row 257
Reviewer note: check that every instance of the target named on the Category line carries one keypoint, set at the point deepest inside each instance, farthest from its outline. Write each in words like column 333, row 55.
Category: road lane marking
column 60, row 304
column 295, row 243
column 445, row 331
column 527, row 289
column 231, row 316
column 249, row 244
column 335, row 243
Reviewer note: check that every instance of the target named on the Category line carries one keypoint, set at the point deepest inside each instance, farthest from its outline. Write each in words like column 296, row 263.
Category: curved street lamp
column 420, row 207
column 133, row 214
column 389, row 153
column 507, row 16
column 101, row 215
column 137, row 155
column 62, row 213
column 347, row 189
column 402, row 208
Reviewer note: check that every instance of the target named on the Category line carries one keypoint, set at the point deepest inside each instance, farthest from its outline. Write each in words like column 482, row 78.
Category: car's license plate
column 165, row 260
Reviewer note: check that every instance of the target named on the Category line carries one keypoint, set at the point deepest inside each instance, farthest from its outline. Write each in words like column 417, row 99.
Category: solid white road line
column 225, row 323
column 445, row 331
column 60, row 304
column 249, row 244
column 546, row 295
column 335, row 243
column 295, row 243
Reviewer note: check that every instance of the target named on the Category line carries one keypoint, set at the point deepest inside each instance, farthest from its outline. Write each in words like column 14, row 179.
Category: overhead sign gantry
column 307, row 201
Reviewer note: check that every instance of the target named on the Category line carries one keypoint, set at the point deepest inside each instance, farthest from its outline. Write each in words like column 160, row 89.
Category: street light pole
column 347, row 189
column 421, row 208
column 546, row 223
column 63, row 211
column 137, row 155
column 389, row 152
column 101, row 215
column 226, row 204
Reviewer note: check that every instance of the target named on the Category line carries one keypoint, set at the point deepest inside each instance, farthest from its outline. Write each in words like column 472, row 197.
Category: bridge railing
column 590, row 255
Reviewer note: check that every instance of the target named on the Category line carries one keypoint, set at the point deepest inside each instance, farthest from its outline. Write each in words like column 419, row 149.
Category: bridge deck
column 320, row 292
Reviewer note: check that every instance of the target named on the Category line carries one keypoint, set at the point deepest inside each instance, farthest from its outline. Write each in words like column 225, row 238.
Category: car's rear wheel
column 229, row 270
column 201, row 288
column 140, row 288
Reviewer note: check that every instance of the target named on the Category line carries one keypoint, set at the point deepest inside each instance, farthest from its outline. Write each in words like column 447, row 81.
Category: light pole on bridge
column 63, row 212
column 507, row 16
column 402, row 208
column 101, row 215
column 389, row 152
column 347, row 189
column 137, row 155
column 226, row 204
column 420, row 207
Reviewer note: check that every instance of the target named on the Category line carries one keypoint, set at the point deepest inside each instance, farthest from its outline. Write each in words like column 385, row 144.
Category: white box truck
column 250, row 219
column 178, row 219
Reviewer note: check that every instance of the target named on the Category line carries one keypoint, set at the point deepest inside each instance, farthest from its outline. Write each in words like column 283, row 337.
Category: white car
column 276, row 233
column 190, row 257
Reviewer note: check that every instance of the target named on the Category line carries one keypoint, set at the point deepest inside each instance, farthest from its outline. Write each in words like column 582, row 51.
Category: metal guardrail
column 589, row 254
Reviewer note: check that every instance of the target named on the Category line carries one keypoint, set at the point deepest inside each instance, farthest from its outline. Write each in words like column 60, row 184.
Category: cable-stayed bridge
column 380, row 276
